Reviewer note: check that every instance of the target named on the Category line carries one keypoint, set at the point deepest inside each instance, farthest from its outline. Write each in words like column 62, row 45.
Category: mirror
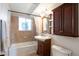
column 45, row 28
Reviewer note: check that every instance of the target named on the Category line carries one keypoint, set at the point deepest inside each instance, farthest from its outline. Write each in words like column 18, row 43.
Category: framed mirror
column 45, row 27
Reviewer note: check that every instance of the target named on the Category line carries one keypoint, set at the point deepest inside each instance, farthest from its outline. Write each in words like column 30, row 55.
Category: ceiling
column 23, row 7
column 46, row 8
column 34, row 8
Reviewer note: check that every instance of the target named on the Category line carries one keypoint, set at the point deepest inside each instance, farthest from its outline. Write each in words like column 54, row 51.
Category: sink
column 42, row 38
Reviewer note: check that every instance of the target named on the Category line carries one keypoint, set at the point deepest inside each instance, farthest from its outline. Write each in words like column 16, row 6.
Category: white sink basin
column 42, row 38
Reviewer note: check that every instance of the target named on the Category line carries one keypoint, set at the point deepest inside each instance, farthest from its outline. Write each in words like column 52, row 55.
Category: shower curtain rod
column 25, row 13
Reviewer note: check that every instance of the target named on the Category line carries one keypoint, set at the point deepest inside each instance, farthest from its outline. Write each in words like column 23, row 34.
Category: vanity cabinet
column 65, row 20
column 44, row 47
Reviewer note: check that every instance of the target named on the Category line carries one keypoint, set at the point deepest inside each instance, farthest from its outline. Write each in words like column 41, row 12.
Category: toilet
column 60, row 51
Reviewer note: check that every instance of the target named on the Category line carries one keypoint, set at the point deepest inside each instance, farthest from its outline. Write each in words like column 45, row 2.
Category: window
column 25, row 24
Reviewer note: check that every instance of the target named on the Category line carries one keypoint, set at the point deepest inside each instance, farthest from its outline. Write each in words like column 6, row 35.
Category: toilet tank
column 60, row 51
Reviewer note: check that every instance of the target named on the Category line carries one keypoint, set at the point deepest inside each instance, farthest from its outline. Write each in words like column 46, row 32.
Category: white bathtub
column 23, row 49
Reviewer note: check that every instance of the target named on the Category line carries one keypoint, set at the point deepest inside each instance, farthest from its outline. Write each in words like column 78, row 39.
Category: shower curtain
column 38, row 24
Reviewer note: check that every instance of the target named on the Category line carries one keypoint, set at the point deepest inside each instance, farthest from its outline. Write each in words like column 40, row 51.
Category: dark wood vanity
column 44, row 47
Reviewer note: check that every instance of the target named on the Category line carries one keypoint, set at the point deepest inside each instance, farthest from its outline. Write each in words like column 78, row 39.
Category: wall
column 20, row 36
column 70, row 43
column 5, row 16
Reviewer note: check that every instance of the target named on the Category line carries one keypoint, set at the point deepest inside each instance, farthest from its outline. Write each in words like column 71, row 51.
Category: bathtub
column 23, row 49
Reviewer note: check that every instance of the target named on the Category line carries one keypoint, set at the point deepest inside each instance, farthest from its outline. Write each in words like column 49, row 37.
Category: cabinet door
column 68, row 17
column 57, row 25
column 66, row 20
column 40, row 50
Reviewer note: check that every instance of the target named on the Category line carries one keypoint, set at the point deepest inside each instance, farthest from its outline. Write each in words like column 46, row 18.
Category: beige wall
column 20, row 36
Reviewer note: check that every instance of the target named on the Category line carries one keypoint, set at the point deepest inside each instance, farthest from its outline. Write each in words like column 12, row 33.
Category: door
column 57, row 29
column 0, row 35
column 68, row 19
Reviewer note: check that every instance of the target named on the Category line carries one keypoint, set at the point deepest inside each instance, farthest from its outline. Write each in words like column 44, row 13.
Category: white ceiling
column 23, row 7
column 35, row 8
column 46, row 8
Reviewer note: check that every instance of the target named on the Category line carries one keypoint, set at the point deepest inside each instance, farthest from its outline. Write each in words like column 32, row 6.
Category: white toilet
column 60, row 51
